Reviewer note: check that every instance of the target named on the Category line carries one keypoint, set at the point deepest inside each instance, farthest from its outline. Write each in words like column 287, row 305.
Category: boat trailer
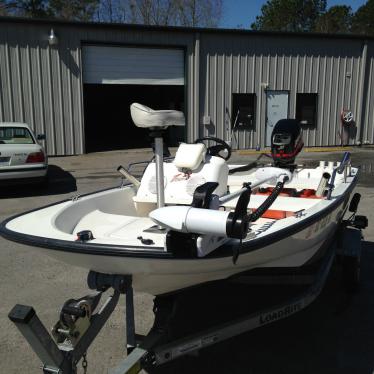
column 78, row 325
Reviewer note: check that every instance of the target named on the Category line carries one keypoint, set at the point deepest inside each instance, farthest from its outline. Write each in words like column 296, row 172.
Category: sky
column 241, row 13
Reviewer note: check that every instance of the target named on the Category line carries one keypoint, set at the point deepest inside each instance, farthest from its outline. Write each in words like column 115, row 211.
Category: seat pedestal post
column 159, row 157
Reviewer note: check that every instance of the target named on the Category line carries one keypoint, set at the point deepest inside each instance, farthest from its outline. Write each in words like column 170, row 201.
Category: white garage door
column 128, row 65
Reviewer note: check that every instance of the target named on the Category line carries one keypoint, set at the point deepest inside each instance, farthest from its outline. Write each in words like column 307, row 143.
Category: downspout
column 363, row 87
column 196, row 99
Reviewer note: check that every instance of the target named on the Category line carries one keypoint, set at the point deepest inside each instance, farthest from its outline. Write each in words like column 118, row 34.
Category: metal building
column 75, row 86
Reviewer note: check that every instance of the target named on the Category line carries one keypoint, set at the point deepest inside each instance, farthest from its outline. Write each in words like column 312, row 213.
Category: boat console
column 190, row 169
column 175, row 182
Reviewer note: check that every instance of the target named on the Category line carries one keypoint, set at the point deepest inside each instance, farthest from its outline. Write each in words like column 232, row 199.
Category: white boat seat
column 146, row 117
column 189, row 156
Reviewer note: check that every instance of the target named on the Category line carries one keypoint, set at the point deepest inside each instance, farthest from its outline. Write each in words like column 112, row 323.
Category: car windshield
column 15, row 135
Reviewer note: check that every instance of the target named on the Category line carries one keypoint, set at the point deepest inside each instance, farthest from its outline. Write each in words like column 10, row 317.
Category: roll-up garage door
column 130, row 65
column 116, row 76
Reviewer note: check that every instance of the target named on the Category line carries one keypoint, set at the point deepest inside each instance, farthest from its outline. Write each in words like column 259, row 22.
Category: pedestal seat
column 146, row 117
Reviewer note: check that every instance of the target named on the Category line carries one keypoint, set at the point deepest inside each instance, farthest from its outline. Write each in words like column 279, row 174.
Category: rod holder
column 128, row 176
column 339, row 169
column 322, row 184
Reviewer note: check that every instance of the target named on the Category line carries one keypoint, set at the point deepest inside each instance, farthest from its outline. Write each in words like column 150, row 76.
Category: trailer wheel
column 351, row 267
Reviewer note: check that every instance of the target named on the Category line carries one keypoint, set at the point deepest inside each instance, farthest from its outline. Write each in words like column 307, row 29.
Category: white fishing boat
column 196, row 219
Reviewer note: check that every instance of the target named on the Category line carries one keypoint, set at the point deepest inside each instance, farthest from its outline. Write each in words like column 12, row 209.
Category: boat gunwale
column 224, row 251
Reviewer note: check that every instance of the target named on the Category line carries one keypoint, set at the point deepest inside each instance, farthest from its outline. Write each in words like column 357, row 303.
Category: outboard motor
column 286, row 142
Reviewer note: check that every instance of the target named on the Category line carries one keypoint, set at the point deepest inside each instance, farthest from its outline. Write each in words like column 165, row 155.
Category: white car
column 22, row 158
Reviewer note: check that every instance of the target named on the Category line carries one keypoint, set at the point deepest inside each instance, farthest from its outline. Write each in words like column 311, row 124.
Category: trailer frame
column 154, row 349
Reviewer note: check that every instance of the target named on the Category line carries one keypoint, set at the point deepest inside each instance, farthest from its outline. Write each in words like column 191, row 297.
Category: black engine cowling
column 286, row 142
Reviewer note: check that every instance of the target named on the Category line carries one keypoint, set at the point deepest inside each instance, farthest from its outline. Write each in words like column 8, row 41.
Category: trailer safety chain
column 84, row 363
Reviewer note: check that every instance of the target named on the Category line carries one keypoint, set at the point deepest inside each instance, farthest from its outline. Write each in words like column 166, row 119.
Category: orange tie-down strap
column 287, row 192
column 307, row 193
column 276, row 214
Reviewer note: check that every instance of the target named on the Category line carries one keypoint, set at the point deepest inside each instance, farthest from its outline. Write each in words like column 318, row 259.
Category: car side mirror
column 41, row 137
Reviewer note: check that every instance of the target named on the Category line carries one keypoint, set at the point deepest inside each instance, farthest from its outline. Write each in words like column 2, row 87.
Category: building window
column 243, row 111
column 306, row 108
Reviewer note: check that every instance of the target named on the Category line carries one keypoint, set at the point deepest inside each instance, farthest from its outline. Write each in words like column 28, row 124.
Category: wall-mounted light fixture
column 52, row 38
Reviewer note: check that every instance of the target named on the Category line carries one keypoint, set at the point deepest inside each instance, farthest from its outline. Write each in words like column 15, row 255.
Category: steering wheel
column 214, row 150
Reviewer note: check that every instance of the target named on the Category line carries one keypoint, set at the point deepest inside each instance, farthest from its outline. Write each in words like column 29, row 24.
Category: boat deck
column 120, row 228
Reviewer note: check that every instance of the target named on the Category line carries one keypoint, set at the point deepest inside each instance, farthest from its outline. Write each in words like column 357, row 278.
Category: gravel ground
column 334, row 335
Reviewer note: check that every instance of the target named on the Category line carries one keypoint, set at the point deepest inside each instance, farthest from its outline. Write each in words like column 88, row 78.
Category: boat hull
column 158, row 271
column 159, row 276
column 167, row 274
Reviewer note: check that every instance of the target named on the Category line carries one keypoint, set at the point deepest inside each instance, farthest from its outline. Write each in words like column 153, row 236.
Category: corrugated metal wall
column 42, row 85
column 332, row 68
column 368, row 109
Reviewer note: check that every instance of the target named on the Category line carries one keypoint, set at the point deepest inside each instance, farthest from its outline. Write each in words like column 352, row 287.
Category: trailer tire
column 351, row 273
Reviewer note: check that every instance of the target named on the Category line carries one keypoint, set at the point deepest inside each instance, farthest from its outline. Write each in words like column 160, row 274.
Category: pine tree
column 289, row 15
column 337, row 19
column 363, row 19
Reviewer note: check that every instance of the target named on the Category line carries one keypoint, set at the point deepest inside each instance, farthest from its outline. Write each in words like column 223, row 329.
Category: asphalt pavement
column 334, row 335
